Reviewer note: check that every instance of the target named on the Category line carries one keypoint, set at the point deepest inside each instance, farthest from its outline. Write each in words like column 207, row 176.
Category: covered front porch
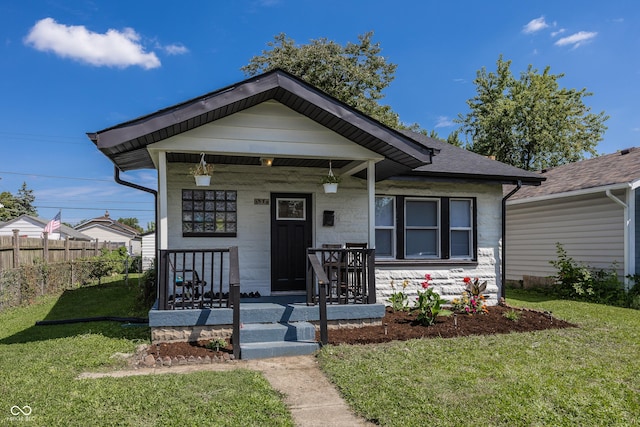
column 201, row 297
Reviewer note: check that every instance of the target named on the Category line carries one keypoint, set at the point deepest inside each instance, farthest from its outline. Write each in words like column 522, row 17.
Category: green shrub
column 147, row 291
column 583, row 283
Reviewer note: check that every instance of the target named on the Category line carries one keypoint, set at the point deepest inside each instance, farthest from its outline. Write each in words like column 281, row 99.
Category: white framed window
column 385, row 226
column 422, row 228
column 461, row 228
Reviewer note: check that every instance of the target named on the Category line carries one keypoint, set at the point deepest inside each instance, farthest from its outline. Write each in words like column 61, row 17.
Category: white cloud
column 560, row 31
column 535, row 25
column 175, row 49
column 111, row 49
column 443, row 122
column 576, row 39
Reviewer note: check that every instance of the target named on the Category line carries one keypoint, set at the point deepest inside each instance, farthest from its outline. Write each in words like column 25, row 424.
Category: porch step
column 264, row 340
column 265, row 350
column 267, row 332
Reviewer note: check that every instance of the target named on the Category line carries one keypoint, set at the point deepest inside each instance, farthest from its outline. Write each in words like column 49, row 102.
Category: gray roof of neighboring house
column 607, row 170
column 125, row 144
column 107, row 222
column 64, row 229
column 455, row 162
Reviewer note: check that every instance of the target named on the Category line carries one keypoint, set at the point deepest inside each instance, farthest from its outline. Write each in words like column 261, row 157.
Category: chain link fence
column 22, row 285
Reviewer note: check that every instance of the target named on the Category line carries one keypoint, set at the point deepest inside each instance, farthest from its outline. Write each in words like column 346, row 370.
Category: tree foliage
column 530, row 122
column 356, row 73
column 19, row 204
column 131, row 222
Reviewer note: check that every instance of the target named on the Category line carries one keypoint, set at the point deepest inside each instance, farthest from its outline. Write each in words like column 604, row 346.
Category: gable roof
column 64, row 229
column 106, row 222
column 453, row 162
column 125, row 144
column 620, row 168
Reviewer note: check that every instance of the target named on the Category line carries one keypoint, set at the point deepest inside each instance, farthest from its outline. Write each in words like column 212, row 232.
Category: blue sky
column 71, row 67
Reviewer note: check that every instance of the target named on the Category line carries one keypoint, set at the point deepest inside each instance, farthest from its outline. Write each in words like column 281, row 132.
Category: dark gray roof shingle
column 455, row 162
column 610, row 169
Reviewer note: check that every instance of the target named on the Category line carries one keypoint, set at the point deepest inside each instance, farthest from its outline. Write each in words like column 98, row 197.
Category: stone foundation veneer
column 190, row 333
column 198, row 333
column 446, row 281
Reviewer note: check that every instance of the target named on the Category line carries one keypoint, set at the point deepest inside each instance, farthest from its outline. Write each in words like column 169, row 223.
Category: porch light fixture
column 266, row 161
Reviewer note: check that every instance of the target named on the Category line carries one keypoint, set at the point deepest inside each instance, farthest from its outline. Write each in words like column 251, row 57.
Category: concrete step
column 265, row 350
column 267, row 332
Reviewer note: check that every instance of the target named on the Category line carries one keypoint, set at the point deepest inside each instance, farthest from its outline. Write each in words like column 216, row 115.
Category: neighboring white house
column 33, row 227
column 590, row 207
column 424, row 205
column 106, row 229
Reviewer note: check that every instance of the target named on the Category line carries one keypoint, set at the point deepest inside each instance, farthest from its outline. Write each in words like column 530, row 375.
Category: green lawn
column 586, row 376
column 40, row 364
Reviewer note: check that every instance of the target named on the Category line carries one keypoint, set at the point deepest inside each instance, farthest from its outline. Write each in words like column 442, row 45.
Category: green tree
column 131, row 222
column 9, row 206
column 25, row 199
column 19, row 204
column 151, row 226
column 530, row 122
column 355, row 73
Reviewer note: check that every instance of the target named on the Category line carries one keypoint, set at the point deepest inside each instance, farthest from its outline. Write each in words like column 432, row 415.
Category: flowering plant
column 429, row 303
column 472, row 300
column 399, row 300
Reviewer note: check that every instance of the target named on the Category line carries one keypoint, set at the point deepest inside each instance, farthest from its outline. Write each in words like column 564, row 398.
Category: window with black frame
column 209, row 213
column 425, row 228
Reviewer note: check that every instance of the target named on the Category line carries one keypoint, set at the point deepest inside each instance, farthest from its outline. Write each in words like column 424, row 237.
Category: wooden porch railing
column 350, row 273
column 194, row 278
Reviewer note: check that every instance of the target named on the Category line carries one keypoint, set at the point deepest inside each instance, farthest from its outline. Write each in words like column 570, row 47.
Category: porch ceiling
column 125, row 144
column 254, row 161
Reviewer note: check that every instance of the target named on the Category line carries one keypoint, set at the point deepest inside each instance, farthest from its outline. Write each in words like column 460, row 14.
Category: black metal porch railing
column 350, row 275
column 194, row 278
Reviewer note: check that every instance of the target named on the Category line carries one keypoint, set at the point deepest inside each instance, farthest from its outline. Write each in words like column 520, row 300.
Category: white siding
column 105, row 235
column 27, row 229
column 148, row 250
column 590, row 228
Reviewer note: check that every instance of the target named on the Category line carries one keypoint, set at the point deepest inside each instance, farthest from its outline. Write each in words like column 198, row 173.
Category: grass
column 40, row 365
column 585, row 376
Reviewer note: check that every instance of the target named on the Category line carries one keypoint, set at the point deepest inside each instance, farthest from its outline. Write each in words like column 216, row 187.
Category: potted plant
column 330, row 183
column 202, row 173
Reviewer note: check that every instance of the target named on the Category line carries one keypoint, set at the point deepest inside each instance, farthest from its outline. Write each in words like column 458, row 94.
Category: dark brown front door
column 290, row 237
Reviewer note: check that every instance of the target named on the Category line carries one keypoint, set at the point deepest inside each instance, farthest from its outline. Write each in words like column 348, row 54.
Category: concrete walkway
column 311, row 398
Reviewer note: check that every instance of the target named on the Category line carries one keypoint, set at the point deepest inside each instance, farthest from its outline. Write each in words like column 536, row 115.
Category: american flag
column 53, row 225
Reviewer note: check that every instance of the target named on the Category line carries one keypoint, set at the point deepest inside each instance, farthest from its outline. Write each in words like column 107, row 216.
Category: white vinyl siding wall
column 590, row 228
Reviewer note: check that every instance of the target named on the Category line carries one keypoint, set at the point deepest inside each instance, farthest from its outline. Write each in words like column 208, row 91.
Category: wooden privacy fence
column 16, row 251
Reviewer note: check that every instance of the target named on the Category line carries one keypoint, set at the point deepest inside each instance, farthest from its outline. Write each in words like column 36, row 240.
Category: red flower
column 425, row 285
column 467, row 280
column 427, row 277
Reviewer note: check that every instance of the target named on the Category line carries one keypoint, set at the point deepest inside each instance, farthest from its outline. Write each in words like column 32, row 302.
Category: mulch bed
column 397, row 326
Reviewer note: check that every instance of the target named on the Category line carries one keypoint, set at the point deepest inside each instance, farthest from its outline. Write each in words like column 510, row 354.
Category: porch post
column 371, row 191
column 163, row 227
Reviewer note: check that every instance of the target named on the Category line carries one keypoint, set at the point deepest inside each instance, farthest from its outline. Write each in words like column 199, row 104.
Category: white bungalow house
column 33, row 227
column 106, row 229
column 589, row 207
column 418, row 205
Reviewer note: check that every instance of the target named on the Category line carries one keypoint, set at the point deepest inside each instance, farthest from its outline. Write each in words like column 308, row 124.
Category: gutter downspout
column 626, row 234
column 116, row 176
column 503, row 278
